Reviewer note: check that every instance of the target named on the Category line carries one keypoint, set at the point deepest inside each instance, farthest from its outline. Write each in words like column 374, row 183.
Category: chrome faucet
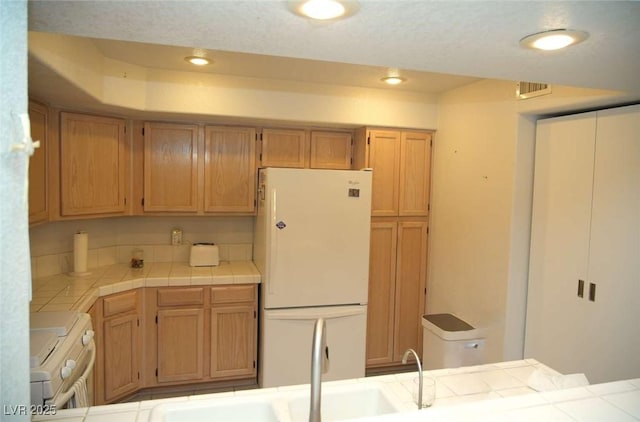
column 404, row 361
column 319, row 364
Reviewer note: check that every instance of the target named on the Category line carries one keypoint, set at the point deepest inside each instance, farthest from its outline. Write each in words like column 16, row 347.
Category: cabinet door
column 93, row 165
column 180, row 344
column 380, row 307
column 557, row 319
column 121, row 360
column 415, row 170
column 614, row 248
column 283, row 148
column 170, row 168
column 410, row 287
column 233, row 347
column 230, row 169
column 38, row 201
column 330, row 150
column 384, row 158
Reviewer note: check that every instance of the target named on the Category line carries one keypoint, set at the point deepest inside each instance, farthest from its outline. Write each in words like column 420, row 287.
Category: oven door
column 78, row 392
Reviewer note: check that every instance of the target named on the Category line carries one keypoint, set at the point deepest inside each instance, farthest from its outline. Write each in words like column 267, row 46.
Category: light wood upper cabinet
column 415, row 171
column 93, row 165
column 384, row 158
column 170, row 167
column 283, row 148
column 330, row 150
column 38, row 167
column 401, row 162
column 230, row 169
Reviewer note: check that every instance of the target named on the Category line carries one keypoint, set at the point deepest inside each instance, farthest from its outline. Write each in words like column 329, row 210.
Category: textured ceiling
column 466, row 38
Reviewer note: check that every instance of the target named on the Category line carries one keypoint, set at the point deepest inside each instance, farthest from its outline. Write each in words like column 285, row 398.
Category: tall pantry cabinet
column 398, row 253
column 584, row 290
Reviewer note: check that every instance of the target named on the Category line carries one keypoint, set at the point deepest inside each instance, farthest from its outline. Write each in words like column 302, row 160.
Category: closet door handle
column 592, row 292
column 580, row 288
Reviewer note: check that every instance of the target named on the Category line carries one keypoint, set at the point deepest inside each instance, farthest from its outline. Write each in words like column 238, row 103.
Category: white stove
column 61, row 358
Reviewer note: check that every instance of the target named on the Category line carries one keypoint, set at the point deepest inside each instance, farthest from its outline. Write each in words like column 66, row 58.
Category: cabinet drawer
column 116, row 304
column 181, row 296
column 233, row 294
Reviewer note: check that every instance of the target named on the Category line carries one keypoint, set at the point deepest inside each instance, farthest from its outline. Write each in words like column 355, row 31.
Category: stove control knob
column 86, row 338
column 70, row 363
column 65, row 372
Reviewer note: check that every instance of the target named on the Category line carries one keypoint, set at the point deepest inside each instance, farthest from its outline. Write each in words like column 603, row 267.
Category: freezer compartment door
column 315, row 227
column 286, row 340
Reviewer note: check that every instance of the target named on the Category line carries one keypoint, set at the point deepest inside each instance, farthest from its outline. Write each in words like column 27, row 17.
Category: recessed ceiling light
column 324, row 9
column 393, row 80
column 198, row 60
column 554, row 39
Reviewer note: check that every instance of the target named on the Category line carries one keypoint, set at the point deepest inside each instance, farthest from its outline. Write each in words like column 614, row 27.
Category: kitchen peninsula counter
column 498, row 391
column 63, row 292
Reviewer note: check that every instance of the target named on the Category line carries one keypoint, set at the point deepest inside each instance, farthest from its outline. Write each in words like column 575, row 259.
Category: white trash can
column 449, row 342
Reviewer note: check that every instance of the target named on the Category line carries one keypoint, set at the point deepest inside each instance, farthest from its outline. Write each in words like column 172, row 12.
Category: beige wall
column 472, row 179
column 128, row 87
column 481, row 205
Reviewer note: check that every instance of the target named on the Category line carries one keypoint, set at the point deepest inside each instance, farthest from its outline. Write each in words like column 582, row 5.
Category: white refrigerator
column 312, row 248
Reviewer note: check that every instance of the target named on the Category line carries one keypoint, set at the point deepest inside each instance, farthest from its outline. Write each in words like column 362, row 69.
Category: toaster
column 204, row 255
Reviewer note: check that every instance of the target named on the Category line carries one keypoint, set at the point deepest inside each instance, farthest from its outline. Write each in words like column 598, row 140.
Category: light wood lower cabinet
column 397, row 282
column 233, row 332
column 201, row 334
column 116, row 320
column 180, row 344
column 163, row 336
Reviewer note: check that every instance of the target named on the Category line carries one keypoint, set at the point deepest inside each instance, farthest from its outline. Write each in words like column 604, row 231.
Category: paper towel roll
column 80, row 252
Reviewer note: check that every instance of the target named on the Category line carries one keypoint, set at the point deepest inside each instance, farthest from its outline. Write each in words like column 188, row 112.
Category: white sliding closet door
column 586, row 226
column 557, row 321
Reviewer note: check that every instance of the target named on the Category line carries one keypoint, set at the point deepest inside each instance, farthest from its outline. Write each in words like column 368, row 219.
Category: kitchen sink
column 228, row 410
column 339, row 402
column 345, row 402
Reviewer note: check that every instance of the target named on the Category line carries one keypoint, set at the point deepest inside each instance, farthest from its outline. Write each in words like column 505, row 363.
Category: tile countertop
column 63, row 292
column 487, row 392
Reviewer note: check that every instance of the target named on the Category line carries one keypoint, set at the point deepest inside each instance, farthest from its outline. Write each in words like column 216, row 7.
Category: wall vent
column 526, row 90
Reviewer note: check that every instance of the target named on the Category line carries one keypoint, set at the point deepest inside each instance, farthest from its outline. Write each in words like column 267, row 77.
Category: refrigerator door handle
column 272, row 252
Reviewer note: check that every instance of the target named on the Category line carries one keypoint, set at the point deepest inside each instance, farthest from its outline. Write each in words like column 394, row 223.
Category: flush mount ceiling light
column 198, row 60
column 554, row 39
column 323, row 9
column 393, row 80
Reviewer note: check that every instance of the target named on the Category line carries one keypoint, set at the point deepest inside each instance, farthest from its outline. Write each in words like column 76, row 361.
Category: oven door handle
column 61, row 399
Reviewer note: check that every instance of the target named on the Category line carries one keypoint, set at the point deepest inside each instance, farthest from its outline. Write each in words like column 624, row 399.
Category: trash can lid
column 450, row 327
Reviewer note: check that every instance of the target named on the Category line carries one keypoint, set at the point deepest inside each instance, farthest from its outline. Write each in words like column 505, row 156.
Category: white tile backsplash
column 111, row 240
column 47, row 265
